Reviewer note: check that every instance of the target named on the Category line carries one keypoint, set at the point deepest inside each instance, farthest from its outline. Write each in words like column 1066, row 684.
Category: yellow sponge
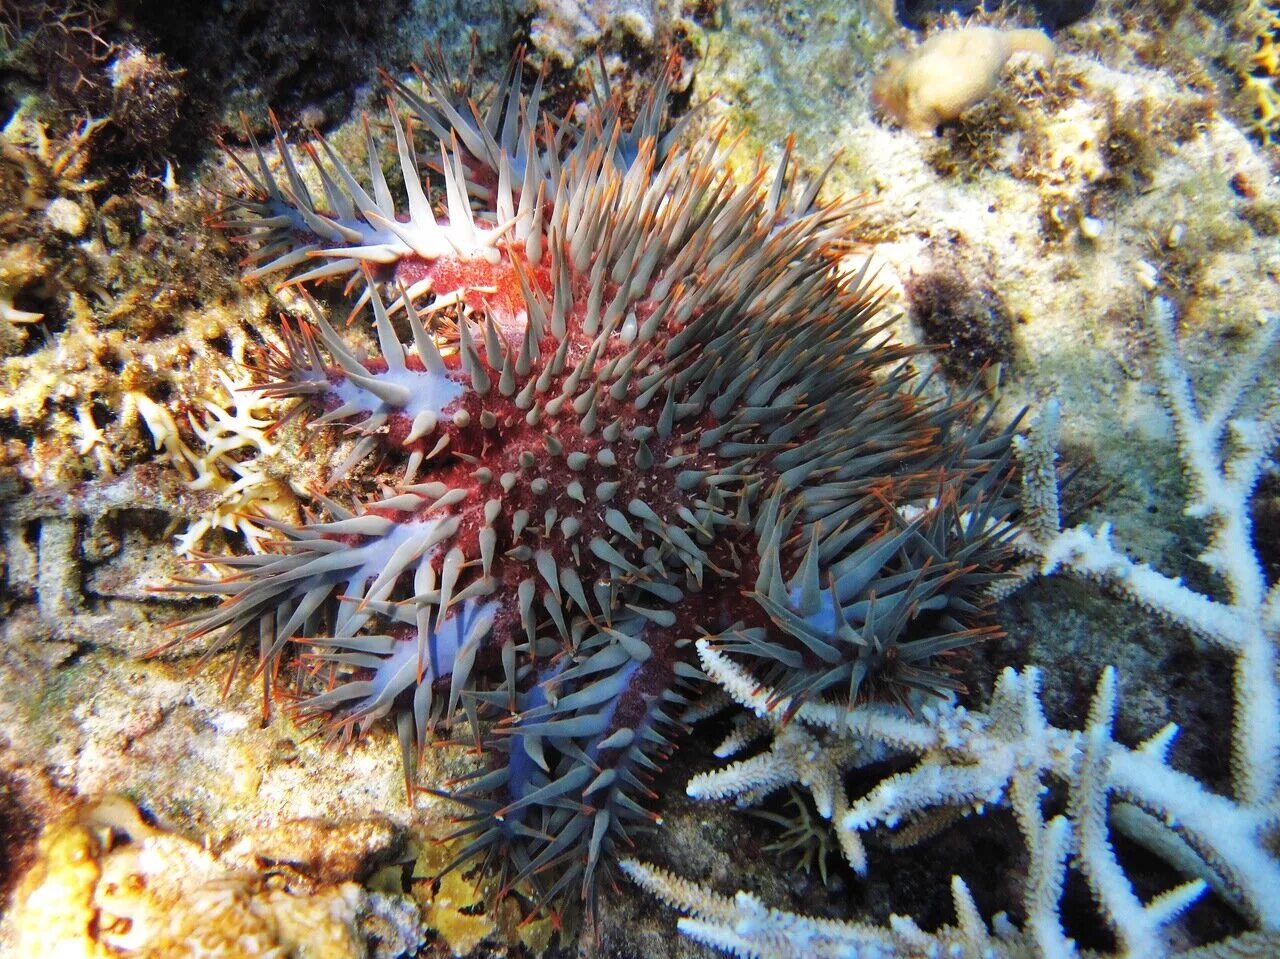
column 950, row 72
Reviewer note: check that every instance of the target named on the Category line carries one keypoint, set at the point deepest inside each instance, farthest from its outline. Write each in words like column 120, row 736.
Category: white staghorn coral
column 1223, row 453
column 797, row 756
column 1009, row 754
column 744, row 926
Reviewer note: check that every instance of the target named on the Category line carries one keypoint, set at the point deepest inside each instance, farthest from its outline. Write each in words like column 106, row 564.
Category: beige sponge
column 950, row 72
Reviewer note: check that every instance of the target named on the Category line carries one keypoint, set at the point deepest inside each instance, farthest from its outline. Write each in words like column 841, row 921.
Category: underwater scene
column 640, row 478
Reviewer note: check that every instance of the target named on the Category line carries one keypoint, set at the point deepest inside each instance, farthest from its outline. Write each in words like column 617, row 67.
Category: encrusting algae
column 453, row 904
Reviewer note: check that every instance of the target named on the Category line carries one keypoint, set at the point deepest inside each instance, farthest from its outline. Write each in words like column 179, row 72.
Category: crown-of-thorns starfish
column 639, row 404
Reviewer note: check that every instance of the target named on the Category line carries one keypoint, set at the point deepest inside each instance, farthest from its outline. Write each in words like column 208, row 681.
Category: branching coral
column 1008, row 753
column 232, row 463
column 1224, row 452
